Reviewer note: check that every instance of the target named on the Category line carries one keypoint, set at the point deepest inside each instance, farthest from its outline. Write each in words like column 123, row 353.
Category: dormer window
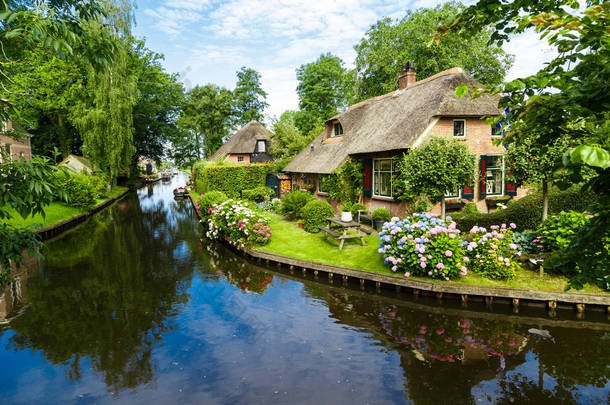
column 337, row 129
column 262, row 147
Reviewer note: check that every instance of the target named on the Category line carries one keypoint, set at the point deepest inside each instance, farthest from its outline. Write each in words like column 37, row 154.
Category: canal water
column 132, row 307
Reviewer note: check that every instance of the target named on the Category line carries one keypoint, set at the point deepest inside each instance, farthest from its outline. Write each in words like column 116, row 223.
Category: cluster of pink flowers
column 237, row 222
column 494, row 251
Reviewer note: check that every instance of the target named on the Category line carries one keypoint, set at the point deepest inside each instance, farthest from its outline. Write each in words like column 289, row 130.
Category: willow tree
column 105, row 116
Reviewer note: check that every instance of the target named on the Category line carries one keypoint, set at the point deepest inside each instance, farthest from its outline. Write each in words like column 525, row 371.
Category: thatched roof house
column 77, row 164
column 377, row 129
column 248, row 145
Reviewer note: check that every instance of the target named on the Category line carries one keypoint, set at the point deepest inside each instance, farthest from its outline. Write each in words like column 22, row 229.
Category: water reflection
column 133, row 307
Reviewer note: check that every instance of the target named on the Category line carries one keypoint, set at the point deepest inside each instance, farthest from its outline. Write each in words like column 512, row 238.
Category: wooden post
column 580, row 308
column 553, row 305
column 464, row 299
column 416, row 292
column 516, row 305
column 489, row 300
column 362, row 284
column 304, row 271
column 397, row 289
column 439, row 295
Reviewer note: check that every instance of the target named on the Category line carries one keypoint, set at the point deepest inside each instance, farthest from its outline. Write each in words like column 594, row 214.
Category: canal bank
column 552, row 300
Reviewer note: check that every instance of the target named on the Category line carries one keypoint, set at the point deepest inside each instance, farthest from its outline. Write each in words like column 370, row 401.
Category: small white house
column 77, row 164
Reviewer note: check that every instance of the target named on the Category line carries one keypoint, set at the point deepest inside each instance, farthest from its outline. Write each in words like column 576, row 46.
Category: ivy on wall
column 345, row 184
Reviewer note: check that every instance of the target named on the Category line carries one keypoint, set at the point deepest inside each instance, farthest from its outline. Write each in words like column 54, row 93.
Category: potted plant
column 492, row 202
column 346, row 212
column 380, row 216
column 356, row 208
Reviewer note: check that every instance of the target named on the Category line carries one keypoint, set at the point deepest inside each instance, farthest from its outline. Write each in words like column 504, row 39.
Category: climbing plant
column 345, row 184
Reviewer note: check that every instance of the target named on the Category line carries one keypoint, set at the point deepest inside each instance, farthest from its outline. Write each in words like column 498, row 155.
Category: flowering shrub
column 493, row 253
column 190, row 185
column 237, row 222
column 423, row 245
column 208, row 200
column 558, row 231
column 272, row 206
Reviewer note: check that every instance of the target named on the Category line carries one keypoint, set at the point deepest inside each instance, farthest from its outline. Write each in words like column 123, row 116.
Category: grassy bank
column 57, row 212
column 289, row 240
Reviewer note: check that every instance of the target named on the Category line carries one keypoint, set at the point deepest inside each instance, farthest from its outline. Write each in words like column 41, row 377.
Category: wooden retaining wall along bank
column 52, row 231
column 581, row 302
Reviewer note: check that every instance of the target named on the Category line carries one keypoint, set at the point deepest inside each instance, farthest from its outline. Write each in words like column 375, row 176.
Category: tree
column 533, row 162
column 248, row 97
column 322, row 91
column 578, row 111
column 436, row 167
column 43, row 88
column 286, row 139
column 205, row 120
column 388, row 45
column 158, row 105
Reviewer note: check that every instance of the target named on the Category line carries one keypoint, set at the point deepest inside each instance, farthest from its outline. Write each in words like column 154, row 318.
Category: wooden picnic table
column 345, row 226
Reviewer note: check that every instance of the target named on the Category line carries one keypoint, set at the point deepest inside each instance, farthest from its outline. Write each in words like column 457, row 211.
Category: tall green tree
column 436, row 167
column 286, row 139
column 389, row 44
column 248, row 97
column 158, row 104
column 579, row 110
column 205, row 120
column 322, row 91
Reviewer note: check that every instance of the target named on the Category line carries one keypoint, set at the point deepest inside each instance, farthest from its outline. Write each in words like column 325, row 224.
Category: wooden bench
column 330, row 232
column 364, row 230
column 340, row 237
column 364, row 215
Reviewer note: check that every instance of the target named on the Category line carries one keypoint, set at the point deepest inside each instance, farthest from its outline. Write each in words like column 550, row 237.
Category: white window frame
column 384, row 171
column 451, row 197
column 258, row 146
column 498, row 134
column 453, row 129
column 240, row 158
column 320, row 176
column 503, row 184
column 334, row 133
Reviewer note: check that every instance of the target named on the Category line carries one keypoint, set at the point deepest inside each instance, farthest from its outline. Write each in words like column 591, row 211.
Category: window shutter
column 468, row 191
column 367, row 184
column 482, row 170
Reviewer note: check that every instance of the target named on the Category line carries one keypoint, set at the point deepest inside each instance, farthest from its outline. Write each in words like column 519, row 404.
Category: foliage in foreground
column 293, row 203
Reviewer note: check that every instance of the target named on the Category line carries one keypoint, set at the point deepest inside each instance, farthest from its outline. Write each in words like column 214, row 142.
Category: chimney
column 407, row 76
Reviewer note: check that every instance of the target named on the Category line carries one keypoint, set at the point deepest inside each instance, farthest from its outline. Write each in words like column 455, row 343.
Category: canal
column 132, row 307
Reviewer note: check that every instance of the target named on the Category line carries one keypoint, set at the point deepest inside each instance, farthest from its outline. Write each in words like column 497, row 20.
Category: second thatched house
column 378, row 129
column 248, row 145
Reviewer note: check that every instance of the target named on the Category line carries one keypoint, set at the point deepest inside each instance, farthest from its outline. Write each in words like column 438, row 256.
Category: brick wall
column 17, row 148
column 234, row 158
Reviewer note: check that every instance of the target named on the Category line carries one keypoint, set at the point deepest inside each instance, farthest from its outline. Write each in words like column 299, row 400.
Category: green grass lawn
column 289, row 240
column 56, row 212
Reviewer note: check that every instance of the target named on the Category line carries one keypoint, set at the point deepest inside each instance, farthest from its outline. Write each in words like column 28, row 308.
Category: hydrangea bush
column 423, row 245
column 239, row 223
column 494, row 254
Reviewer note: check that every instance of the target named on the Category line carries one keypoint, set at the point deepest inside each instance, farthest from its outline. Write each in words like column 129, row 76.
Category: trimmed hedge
column 315, row 213
column 230, row 179
column 526, row 212
column 81, row 189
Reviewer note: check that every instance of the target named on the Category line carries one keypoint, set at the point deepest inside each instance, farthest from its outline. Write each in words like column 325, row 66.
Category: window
column 240, row 158
column 262, row 147
column 459, row 128
column 382, row 177
column 322, row 178
column 494, row 176
column 337, row 130
column 495, row 131
column 457, row 193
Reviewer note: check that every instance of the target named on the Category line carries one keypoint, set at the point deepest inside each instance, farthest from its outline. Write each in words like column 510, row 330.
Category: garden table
column 345, row 226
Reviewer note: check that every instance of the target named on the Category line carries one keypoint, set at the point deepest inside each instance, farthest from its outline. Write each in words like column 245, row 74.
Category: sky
column 207, row 41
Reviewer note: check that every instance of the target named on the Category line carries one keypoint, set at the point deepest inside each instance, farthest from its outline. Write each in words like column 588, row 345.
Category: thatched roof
column 393, row 121
column 243, row 141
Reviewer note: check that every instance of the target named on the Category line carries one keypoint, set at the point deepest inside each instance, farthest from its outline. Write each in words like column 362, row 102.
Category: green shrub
column 100, row 185
column 527, row 211
column 207, row 200
column 346, row 207
column 314, row 215
column 381, row 214
column 230, row 179
column 293, row 203
column 557, row 232
column 470, row 208
column 525, row 241
column 258, row 194
column 78, row 188
column 358, row 207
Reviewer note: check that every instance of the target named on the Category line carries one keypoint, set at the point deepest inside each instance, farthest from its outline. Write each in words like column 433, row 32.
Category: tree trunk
column 545, row 199
column 62, row 137
column 443, row 204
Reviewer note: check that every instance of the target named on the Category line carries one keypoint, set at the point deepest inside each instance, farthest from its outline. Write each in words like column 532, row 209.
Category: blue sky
column 207, row 41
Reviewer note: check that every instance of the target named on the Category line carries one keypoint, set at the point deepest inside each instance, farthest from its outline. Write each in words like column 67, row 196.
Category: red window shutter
column 468, row 192
column 482, row 167
column 367, row 186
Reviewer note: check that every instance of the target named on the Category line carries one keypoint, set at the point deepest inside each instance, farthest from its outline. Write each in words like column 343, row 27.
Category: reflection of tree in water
column 240, row 273
column 444, row 356
column 111, row 306
column 518, row 389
